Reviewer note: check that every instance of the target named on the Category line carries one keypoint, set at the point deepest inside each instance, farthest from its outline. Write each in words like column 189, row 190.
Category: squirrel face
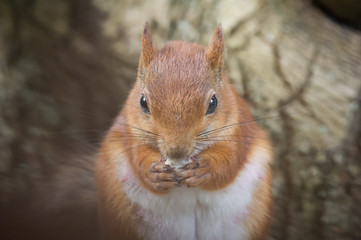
column 178, row 89
column 180, row 93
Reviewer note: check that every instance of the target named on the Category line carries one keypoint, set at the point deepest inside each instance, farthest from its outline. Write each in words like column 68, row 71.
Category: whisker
column 128, row 148
column 137, row 128
column 245, row 122
column 240, row 141
column 133, row 136
column 73, row 131
column 226, row 136
column 125, row 139
column 196, row 148
column 122, row 138
column 234, row 125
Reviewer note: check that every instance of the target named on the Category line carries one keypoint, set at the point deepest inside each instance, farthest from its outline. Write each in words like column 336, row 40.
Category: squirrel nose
column 177, row 152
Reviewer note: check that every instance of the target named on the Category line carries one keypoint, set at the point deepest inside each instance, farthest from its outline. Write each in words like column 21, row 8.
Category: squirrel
column 184, row 159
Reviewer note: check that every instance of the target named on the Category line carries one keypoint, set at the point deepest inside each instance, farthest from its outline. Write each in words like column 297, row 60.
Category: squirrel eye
column 212, row 105
column 144, row 105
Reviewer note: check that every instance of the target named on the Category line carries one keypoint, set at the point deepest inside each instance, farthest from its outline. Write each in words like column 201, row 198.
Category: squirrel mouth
column 177, row 162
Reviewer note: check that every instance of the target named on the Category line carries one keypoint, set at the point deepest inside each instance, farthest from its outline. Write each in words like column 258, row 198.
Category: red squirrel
column 184, row 159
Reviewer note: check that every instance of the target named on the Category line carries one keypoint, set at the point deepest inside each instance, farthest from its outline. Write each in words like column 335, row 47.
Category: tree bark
column 66, row 67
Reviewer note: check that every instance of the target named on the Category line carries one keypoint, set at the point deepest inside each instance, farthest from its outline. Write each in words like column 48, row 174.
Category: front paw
column 161, row 177
column 195, row 174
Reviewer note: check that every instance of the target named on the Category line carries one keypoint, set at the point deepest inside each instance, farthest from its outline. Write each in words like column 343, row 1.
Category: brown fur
column 114, row 207
column 215, row 51
column 147, row 46
column 178, row 82
column 260, row 211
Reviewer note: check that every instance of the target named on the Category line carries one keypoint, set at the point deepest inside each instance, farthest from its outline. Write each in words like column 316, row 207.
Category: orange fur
column 147, row 46
column 114, row 207
column 260, row 211
column 178, row 82
column 215, row 51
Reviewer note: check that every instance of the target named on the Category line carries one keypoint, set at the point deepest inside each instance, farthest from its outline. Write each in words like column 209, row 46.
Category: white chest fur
column 195, row 214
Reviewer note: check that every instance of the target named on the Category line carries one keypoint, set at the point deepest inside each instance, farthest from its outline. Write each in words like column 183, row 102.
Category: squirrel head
column 179, row 93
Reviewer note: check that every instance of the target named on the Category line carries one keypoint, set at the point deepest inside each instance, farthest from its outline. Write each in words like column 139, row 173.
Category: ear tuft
column 147, row 46
column 216, row 49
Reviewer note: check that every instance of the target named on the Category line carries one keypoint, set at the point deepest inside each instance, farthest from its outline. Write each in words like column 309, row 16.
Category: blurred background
column 67, row 66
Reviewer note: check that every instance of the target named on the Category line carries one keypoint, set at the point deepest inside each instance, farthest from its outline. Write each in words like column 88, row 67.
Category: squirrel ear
column 216, row 50
column 147, row 46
